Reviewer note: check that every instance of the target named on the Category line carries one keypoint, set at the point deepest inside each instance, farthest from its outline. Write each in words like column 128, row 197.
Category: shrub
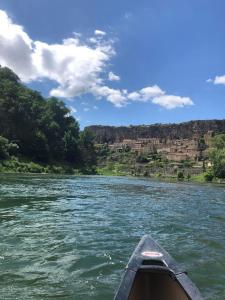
column 208, row 175
column 180, row 175
column 34, row 168
column 142, row 158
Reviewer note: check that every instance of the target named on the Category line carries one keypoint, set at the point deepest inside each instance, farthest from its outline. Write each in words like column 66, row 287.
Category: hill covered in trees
column 33, row 128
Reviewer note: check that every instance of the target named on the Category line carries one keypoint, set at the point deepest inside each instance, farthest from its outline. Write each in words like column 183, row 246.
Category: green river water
column 66, row 237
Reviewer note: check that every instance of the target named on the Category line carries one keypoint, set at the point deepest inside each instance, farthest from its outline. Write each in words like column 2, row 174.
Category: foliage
column 180, row 175
column 142, row 158
column 208, row 175
column 186, row 164
column 188, row 176
column 103, row 150
column 88, row 153
column 218, row 141
column 7, row 148
column 40, row 129
column 217, row 156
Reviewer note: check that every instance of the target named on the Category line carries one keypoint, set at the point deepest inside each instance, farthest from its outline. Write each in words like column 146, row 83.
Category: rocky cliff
column 111, row 134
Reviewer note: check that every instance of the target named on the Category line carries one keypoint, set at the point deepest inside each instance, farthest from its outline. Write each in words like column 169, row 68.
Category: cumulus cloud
column 77, row 67
column 115, row 96
column 113, row 77
column 217, row 80
column 146, row 93
column 74, row 65
column 156, row 95
column 171, row 101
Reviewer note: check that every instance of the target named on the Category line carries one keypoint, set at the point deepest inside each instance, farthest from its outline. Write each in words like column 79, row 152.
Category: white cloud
column 171, row 101
column 16, row 48
column 146, row 93
column 86, row 108
column 76, row 67
column 217, row 80
column 151, row 91
column 156, row 95
column 113, row 77
column 135, row 96
column 117, row 97
column 100, row 32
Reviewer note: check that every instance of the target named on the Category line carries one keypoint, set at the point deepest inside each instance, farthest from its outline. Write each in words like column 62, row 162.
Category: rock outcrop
column 187, row 130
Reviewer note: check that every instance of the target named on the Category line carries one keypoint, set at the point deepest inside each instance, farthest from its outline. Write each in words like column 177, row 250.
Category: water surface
column 65, row 237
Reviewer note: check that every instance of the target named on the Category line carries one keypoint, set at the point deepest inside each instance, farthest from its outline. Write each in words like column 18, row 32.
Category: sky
column 120, row 62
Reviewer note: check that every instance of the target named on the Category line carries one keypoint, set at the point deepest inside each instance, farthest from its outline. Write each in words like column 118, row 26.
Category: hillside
column 39, row 130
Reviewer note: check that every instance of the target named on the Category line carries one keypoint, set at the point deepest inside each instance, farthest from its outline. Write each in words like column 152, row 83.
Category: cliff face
column 111, row 134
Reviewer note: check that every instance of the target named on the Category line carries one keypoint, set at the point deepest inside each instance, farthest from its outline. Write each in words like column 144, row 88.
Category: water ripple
column 65, row 237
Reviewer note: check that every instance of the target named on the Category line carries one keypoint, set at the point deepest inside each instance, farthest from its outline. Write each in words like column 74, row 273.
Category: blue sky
column 166, row 58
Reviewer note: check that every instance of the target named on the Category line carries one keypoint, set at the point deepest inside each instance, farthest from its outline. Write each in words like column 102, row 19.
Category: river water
column 66, row 237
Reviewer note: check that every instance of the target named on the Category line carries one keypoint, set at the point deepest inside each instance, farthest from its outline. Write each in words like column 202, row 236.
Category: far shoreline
column 151, row 178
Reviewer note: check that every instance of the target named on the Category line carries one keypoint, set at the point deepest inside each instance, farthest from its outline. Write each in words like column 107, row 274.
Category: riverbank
column 15, row 165
column 116, row 170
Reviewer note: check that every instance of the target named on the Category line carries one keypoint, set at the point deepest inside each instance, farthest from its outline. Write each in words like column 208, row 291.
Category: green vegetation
column 39, row 132
column 180, row 175
column 217, row 156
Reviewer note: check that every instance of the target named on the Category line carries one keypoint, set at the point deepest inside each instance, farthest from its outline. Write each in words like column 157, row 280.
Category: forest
column 39, row 130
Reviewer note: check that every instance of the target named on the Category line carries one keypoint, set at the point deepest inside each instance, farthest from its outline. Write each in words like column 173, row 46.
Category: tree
column 217, row 156
column 71, row 147
column 180, row 175
column 87, row 149
column 7, row 148
column 43, row 128
column 219, row 141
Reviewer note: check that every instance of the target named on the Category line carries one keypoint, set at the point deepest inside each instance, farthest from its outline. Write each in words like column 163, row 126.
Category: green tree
column 43, row 129
column 87, row 147
column 180, row 175
column 218, row 162
column 71, row 147
column 217, row 156
column 7, row 148
column 219, row 141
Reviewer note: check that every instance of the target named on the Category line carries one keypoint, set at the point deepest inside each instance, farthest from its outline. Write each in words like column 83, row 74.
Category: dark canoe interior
column 156, row 286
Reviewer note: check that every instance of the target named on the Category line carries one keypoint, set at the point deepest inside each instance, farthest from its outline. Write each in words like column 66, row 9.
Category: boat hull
column 152, row 274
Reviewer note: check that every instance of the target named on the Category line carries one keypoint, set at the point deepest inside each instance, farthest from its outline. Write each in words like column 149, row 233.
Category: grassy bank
column 121, row 170
column 15, row 165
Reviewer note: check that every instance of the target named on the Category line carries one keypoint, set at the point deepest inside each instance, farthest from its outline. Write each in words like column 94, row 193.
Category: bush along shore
column 14, row 165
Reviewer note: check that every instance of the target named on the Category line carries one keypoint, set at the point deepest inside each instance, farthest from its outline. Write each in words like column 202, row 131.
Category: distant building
column 171, row 149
